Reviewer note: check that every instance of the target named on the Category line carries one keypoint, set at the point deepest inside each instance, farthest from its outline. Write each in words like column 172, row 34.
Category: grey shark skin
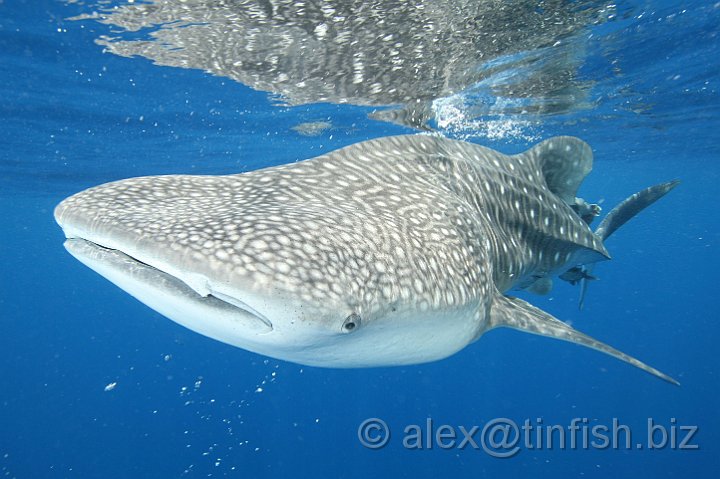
column 392, row 251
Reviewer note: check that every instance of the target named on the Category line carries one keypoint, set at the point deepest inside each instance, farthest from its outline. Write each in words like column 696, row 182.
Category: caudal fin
column 620, row 215
column 515, row 313
column 631, row 206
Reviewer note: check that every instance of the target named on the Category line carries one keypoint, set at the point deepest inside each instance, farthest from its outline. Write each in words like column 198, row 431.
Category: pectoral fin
column 515, row 313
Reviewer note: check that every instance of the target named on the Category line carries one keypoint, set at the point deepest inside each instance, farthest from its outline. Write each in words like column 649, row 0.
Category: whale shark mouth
column 100, row 255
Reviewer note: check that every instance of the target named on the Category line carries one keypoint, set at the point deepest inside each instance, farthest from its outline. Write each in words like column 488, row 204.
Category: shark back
column 523, row 203
column 516, row 208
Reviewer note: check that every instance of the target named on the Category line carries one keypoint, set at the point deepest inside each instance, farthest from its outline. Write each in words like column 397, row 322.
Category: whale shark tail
column 507, row 311
column 617, row 217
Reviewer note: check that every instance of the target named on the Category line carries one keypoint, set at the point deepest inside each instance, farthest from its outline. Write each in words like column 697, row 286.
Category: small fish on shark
column 394, row 251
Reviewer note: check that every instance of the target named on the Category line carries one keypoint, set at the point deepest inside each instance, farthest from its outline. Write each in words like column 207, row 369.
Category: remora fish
column 392, row 251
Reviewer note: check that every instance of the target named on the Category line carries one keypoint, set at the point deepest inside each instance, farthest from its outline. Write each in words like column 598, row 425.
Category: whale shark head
column 300, row 274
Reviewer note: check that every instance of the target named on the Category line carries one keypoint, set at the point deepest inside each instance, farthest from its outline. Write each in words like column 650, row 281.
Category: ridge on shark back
column 393, row 251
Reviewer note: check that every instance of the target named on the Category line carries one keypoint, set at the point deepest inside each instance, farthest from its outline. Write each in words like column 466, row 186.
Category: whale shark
column 393, row 251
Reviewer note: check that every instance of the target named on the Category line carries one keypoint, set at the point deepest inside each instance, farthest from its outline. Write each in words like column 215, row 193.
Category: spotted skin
column 397, row 227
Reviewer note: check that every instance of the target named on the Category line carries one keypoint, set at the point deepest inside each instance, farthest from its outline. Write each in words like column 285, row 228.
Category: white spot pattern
column 436, row 223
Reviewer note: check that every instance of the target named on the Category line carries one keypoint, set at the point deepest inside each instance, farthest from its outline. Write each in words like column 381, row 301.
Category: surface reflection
column 485, row 57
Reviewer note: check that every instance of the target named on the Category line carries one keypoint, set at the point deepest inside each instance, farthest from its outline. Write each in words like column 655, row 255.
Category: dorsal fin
column 564, row 161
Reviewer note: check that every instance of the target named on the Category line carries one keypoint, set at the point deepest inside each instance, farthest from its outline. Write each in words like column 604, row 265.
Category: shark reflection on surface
column 510, row 57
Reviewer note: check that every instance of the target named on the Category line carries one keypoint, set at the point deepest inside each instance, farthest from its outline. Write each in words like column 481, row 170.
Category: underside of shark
column 399, row 250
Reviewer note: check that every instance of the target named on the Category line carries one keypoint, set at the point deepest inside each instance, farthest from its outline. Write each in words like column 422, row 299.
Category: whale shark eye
column 351, row 323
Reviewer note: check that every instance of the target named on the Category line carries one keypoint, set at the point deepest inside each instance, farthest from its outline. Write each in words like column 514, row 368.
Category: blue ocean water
column 95, row 384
